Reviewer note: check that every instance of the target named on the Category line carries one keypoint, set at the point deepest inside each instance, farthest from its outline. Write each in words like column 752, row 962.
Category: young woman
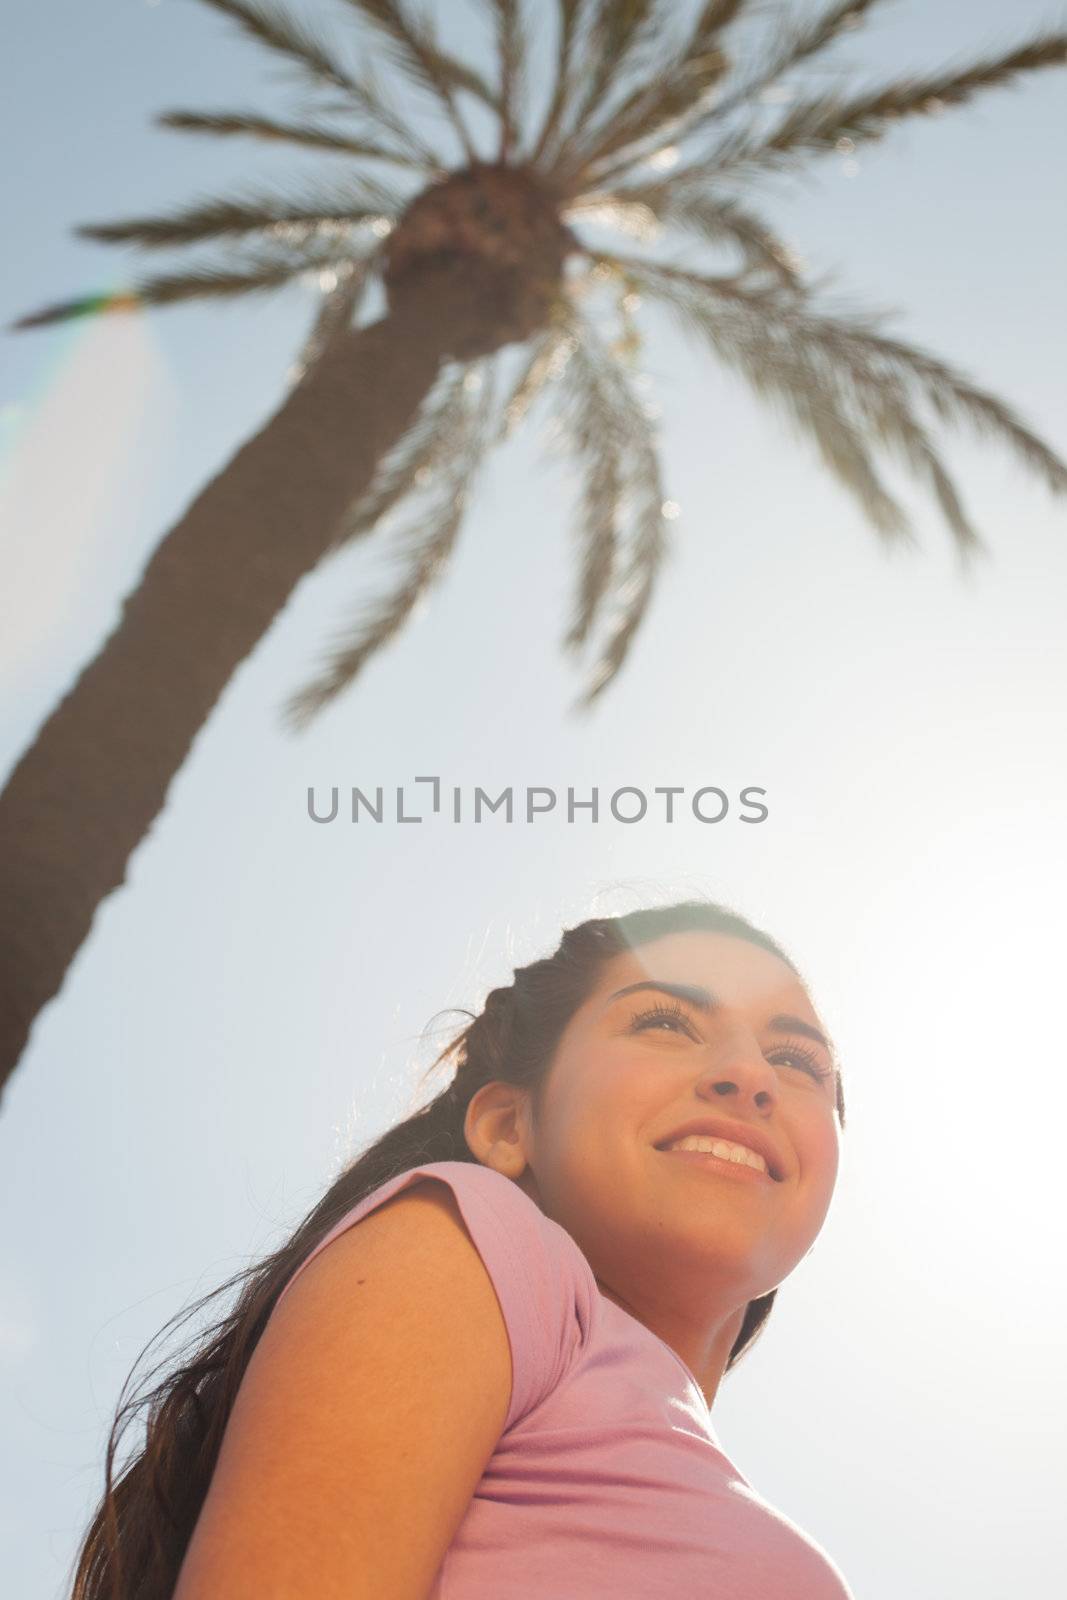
column 483, row 1367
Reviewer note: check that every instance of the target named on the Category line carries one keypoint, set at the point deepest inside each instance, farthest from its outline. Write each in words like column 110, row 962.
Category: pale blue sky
column 249, row 1009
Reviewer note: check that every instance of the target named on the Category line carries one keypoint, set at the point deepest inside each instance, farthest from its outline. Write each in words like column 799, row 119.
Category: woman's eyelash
column 809, row 1061
column 660, row 1013
column 795, row 1054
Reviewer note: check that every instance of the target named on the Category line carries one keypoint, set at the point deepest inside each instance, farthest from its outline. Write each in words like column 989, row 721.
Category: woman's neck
column 701, row 1343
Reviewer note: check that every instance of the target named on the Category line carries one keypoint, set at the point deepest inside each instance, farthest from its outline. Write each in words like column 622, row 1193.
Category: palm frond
column 89, row 305
column 796, row 41
column 716, row 219
column 647, row 117
column 571, row 14
column 887, row 414
column 713, row 18
column 419, row 53
column 610, row 433
column 434, row 437
column 434, row 66
column 951, row 395
column 734, row 286
column 809, row 36
column 675, row 86
column 781, row 370
column 875, row 362
column 278, row 30
column 602, row 491
column 511, row 56
column 224, row 280
column 820, row 124
column 548, row 355
column 886, row 395
column 314, row 212
column 874, row 382
column 425, row 547
column 902, row 432
column 309, row 135
column 618, row 30
column 340, row 302
column 371, row 104
column 842, row 445
column 601, row 499
column 615, row 209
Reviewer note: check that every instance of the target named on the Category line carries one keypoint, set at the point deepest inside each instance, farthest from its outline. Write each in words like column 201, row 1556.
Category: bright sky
column 248, row 1011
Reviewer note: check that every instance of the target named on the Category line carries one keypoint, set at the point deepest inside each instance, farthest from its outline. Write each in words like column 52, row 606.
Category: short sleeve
column 543, row 1283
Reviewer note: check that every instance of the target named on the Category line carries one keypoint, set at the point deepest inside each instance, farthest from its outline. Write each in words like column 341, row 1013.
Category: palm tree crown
column 656, row 125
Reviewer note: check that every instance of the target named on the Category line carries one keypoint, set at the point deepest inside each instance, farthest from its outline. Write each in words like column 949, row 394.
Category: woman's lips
column 720, row 1164
column 728, row 1131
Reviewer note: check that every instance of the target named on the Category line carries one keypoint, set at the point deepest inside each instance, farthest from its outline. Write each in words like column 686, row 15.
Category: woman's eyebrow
column 786, row 1024
column 703, row 1000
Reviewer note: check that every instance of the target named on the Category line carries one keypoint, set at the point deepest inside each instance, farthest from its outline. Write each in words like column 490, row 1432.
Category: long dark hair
column 135, row 1544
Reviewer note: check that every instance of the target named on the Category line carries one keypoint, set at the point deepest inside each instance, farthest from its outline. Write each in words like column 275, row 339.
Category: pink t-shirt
column 608, row 1480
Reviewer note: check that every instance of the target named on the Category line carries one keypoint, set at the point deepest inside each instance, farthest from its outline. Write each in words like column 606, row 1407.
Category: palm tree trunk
column 87, row 790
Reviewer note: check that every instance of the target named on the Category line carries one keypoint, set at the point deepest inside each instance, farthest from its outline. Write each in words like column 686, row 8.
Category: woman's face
column 733, row 1054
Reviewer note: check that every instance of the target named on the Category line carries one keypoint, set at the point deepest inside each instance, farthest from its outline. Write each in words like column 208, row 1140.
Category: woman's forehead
column 735, row 971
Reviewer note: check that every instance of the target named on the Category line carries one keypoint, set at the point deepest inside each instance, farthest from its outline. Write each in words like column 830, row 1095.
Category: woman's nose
column 740, row 1073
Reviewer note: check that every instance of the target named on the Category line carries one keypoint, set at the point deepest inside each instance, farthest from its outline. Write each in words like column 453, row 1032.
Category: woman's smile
column 719, row 1161
column 734, row 1142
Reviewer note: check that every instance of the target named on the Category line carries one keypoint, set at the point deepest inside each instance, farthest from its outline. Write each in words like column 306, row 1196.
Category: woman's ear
column 496, row 1127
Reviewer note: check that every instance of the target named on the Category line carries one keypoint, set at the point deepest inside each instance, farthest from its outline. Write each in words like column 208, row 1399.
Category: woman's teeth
column 725, row 1149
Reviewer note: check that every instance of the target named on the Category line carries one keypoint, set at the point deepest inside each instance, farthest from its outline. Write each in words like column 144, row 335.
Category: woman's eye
column 673, row 1019
column 669, row 1017
column 801, row 1059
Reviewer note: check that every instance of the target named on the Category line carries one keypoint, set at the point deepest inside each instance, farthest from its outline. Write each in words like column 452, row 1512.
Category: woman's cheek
column 826, row 1153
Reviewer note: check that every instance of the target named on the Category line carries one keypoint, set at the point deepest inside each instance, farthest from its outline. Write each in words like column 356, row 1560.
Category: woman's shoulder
column 542, row 1281
column 493, row 1200
column 489, row 1188
column 481, row 1193
column 387, row 1373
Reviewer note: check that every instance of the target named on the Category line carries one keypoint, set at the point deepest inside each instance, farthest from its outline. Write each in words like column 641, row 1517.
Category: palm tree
column 658, row 125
